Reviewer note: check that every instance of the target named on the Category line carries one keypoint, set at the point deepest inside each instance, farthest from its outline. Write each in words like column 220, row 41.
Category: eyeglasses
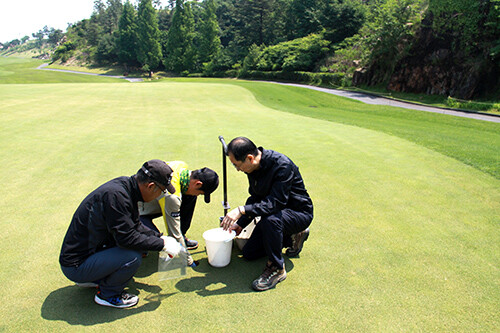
column 164, row 191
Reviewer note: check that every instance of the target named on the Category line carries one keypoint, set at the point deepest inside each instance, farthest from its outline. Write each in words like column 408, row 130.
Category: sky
column 19, row 18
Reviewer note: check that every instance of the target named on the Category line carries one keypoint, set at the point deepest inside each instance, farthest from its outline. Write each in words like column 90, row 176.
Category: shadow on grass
column 75, row 305
column 235, row 278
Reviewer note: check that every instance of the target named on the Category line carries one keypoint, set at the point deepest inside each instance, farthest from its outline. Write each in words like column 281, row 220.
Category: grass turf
column 404, row 238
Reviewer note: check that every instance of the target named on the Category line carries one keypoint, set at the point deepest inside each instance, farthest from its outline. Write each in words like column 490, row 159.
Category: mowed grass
column 23, row 70
column 404, row 238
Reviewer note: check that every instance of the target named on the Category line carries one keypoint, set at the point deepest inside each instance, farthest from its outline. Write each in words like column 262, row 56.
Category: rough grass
column 404, row 238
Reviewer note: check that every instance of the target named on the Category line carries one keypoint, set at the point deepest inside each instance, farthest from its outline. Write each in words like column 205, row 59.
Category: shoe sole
column 192, row 247
column 256, row 288
column 101, row 301
column 294, row 254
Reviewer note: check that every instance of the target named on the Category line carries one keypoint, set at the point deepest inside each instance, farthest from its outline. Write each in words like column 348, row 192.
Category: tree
column 127, row 36
column 209, row 34
column 54, row 36
column 148, row 49
column 179, row 51
column 302, row 18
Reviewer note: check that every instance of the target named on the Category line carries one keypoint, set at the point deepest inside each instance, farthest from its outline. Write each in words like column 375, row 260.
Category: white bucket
column 218, row 244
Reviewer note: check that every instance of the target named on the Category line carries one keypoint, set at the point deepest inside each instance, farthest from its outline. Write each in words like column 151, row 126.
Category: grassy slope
column 473, row 142
column 404, row 238
column 21, row 71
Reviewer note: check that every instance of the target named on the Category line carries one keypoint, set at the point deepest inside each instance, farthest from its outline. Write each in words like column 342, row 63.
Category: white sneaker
column 124, row 300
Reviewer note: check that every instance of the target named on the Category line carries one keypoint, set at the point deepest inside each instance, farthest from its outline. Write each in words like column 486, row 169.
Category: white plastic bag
column 172, row 268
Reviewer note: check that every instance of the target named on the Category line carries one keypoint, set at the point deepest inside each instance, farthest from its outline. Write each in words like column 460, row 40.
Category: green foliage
column 316, row 79
column 127, row 35
column 299, row 54
column 179, row 48
column 64, row 51
column 471, row 105
column 148, row 47
column 209, row 34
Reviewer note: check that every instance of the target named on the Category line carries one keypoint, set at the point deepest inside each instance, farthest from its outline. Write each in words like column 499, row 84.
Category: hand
column 171, row 246
column 230, row 218
column 236, row 228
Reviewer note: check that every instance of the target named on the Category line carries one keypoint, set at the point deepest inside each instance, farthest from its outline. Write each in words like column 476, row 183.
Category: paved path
column 365, row 98
column 372, row 99
column 130, row 79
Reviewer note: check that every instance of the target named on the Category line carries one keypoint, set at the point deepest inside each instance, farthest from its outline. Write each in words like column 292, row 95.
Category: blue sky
column 20, row 18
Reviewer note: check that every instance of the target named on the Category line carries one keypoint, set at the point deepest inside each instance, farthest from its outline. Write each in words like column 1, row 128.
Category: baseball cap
column 210, row 181
column 159, row 171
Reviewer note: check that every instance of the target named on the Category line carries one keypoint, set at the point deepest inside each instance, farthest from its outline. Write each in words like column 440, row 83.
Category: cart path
column 377, row 100
column 365, row 98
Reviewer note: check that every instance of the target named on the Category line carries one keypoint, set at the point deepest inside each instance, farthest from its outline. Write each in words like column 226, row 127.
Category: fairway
column 404, row 238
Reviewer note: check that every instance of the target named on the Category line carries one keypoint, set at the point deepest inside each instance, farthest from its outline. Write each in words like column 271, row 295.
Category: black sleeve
column 278, row 196
column 127, row 232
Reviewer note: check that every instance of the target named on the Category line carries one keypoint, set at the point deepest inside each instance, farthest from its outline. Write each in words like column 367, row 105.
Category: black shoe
column 298, row 242
column 190, row 244
column 271, row 276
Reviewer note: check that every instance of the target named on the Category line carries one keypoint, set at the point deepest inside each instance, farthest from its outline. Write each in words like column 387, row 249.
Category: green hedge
column 317, row 79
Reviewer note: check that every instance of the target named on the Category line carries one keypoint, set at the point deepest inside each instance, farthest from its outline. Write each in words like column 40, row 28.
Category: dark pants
column 187, row 210
column 273, row 233
column 112, row 269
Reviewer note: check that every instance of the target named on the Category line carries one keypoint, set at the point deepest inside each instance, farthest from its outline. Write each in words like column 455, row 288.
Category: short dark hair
column 240, row 147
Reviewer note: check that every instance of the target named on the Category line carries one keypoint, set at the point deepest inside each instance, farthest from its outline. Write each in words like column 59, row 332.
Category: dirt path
column 372, row 99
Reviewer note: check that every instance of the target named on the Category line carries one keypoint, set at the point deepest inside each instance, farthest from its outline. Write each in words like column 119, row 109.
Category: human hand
column 171, row 246
column 230, row 218
column 236, row 228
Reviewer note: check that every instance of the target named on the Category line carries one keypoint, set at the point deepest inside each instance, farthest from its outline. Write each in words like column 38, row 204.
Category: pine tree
column 180, row 53
column 148, row 49
column 127, row 35
column 210, row 44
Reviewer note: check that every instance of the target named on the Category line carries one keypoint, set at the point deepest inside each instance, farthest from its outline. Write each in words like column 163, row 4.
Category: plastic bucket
column 218, row 244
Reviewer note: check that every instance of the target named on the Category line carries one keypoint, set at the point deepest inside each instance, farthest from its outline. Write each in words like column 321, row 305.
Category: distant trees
column 149, row 52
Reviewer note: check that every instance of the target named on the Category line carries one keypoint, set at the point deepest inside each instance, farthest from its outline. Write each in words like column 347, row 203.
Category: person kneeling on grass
column 104, row 243
column 178, row 208
column 279, row 197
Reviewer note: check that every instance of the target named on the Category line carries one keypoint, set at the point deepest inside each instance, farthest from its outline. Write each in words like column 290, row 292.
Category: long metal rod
column 225, row 204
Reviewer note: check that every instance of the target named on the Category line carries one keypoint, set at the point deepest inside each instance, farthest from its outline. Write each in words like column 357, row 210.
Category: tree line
column 248, row 36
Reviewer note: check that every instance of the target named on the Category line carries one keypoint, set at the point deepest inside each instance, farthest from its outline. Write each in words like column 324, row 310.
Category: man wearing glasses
column 278, row 195
column 104, row 243
column 177, row 209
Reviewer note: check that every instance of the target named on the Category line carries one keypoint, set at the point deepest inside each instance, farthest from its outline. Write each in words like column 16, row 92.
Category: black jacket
column 108, row 217
column 276, row 185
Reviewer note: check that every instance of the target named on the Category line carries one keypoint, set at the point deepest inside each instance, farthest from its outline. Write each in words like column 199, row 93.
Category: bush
column 317, row 79
column 300, row 54
column 64, row 51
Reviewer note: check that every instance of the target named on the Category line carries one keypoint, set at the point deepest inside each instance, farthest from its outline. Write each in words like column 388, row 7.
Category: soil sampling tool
column 225, row 204
column 242, row 238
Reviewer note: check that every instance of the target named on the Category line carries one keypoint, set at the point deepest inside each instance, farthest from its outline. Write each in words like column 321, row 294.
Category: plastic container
column 219, row 244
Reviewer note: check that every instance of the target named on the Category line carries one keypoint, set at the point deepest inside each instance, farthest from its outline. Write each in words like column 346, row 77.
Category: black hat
column 159, row 171
column 210, row 181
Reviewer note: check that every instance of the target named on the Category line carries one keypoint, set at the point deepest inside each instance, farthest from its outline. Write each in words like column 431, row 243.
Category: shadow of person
column 75, row 305
column 237, row 277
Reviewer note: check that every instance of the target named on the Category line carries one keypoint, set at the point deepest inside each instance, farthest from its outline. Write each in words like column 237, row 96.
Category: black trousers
column 273, row 233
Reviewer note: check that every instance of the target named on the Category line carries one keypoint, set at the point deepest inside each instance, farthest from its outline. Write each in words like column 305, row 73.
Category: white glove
column 171, row 246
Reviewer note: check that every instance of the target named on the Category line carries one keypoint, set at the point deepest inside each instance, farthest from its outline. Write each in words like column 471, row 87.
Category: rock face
column 433, row 68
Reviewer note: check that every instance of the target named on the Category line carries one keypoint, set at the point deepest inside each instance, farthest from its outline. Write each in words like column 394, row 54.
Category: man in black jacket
column 105, row 240
column 279, row 197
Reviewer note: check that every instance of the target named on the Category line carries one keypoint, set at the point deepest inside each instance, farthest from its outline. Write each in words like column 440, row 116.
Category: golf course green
column 407, row 206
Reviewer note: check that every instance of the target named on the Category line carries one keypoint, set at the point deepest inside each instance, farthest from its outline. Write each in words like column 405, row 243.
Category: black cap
column 210, row 181
column 160, row 172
